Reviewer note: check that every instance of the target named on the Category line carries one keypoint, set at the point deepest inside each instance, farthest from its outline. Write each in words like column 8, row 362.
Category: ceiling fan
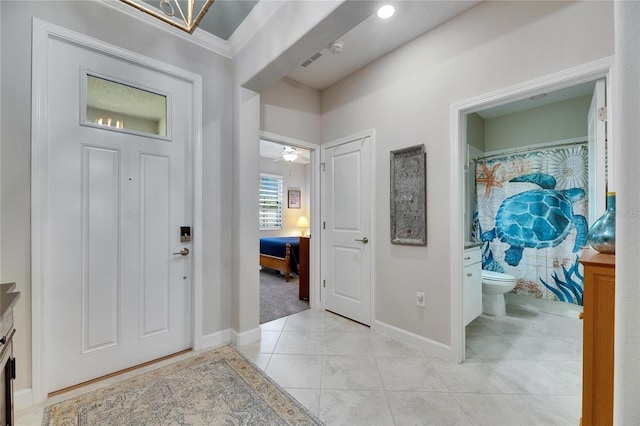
column 277, row 151
column 288, row 153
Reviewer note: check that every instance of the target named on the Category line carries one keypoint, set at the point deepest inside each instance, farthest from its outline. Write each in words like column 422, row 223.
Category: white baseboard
column 547, row 306
column 22, row 399
column 246, row 337
column 431, row 347
column 215, row 340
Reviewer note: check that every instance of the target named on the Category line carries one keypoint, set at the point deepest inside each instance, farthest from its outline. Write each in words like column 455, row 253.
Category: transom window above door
column 122, row 107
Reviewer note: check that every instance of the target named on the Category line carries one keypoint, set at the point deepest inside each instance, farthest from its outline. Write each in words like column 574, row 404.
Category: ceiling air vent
column 311, row 59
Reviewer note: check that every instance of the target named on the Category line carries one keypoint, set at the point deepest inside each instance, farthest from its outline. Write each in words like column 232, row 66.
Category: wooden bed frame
column 282, row 264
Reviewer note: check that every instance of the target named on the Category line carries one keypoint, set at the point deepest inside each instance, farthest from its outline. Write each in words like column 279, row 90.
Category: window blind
column 270, row 211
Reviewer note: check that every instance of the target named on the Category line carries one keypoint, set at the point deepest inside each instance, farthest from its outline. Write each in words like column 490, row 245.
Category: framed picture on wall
column 294, row 199
column 409, row 196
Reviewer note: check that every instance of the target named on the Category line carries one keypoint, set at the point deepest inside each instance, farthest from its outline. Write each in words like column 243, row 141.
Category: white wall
column 291, row 109
column 626, row 135
column 275, row 49
column 295, row 176
column 475, row 131
column 112, row 27
column 549, row 123
column 406, row 97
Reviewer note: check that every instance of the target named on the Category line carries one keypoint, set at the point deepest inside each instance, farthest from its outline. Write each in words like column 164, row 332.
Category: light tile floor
column 522, row 369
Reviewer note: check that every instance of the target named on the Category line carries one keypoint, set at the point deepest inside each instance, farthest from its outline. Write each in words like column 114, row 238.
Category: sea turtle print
column 539, row 218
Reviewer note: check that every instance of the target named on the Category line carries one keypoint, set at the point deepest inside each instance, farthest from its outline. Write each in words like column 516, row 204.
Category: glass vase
column 602, row 234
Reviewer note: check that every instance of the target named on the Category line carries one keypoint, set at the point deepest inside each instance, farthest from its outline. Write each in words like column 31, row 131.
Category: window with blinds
column 270, row 212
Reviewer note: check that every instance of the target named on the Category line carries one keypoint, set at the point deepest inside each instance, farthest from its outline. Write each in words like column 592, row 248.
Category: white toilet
column 494, row 286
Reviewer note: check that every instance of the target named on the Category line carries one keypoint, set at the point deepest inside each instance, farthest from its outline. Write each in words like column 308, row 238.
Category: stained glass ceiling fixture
column 173, row 12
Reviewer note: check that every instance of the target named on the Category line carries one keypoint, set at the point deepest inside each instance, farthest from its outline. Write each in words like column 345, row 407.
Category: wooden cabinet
column 7, row 362
column 598, row 331
column 472, row 289
column 303, row 268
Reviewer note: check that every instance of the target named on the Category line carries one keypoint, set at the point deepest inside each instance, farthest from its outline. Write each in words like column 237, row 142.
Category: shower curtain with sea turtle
column 531, row 215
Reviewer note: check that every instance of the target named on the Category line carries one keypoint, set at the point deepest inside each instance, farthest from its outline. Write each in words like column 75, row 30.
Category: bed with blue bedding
column 280, row 253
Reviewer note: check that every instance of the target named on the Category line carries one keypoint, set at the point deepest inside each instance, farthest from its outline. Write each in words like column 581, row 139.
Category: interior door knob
column 183, row 252
column 363, row 240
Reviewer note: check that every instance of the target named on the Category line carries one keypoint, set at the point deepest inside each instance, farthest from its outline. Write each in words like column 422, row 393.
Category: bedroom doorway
column 285, row 221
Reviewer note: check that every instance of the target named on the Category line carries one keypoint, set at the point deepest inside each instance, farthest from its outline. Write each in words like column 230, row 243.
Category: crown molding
column 199, row 37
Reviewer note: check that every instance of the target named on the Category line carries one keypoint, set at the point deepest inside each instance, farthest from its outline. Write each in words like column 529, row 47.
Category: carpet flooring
column 278, row 298
column 218, row 387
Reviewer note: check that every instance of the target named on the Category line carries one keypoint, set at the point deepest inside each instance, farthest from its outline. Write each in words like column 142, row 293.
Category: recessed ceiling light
column 386, row 11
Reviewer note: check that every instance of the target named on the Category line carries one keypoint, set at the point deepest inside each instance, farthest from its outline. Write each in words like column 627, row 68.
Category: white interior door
column 115, row 294
column 346, row 205
column 597, row 133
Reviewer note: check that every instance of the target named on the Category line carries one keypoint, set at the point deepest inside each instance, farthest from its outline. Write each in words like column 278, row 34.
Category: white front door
column 116, row 294
column 347, row 240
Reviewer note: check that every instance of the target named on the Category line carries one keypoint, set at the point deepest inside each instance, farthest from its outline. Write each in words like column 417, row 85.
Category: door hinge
column 324, row 283
column 602, row 114
column 324, row 225
column 323, row 166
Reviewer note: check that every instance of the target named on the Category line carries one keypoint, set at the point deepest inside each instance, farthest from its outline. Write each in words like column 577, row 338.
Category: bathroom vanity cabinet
column 472, row 288
column 598, row 316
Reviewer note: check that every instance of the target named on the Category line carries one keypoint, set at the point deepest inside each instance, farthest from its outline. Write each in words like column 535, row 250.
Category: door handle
column 183, row 252
column 364, row 240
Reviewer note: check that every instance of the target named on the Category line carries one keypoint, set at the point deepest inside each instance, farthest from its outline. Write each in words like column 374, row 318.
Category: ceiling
column 375, row 37
column 366, row 42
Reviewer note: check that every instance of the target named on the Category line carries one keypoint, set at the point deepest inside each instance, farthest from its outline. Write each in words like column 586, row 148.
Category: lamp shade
column 302, row 222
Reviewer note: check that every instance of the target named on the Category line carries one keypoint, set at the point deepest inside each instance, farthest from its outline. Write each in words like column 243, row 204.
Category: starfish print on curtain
column 489, row 180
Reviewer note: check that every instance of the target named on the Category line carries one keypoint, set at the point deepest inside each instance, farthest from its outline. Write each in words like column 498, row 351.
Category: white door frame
column 581, row 74
column 314, row 211
column 371, row 134
column 42, row 33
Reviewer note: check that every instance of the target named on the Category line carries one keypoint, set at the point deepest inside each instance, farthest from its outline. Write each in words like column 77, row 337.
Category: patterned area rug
column 219, row 387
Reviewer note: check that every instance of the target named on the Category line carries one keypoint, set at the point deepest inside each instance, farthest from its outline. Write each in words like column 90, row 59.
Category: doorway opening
column 579, row 79
column 285, row 221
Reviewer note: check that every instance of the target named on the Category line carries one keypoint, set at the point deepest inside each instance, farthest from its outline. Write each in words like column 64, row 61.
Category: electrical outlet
column 420, row 298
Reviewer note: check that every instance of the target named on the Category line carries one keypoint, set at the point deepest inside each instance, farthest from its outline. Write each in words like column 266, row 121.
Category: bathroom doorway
column 521, row 157
column 567, row 91
column 533, row 350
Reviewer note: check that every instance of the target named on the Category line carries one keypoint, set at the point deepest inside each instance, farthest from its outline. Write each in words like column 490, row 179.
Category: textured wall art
column 531, row 216
column 409, row 196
